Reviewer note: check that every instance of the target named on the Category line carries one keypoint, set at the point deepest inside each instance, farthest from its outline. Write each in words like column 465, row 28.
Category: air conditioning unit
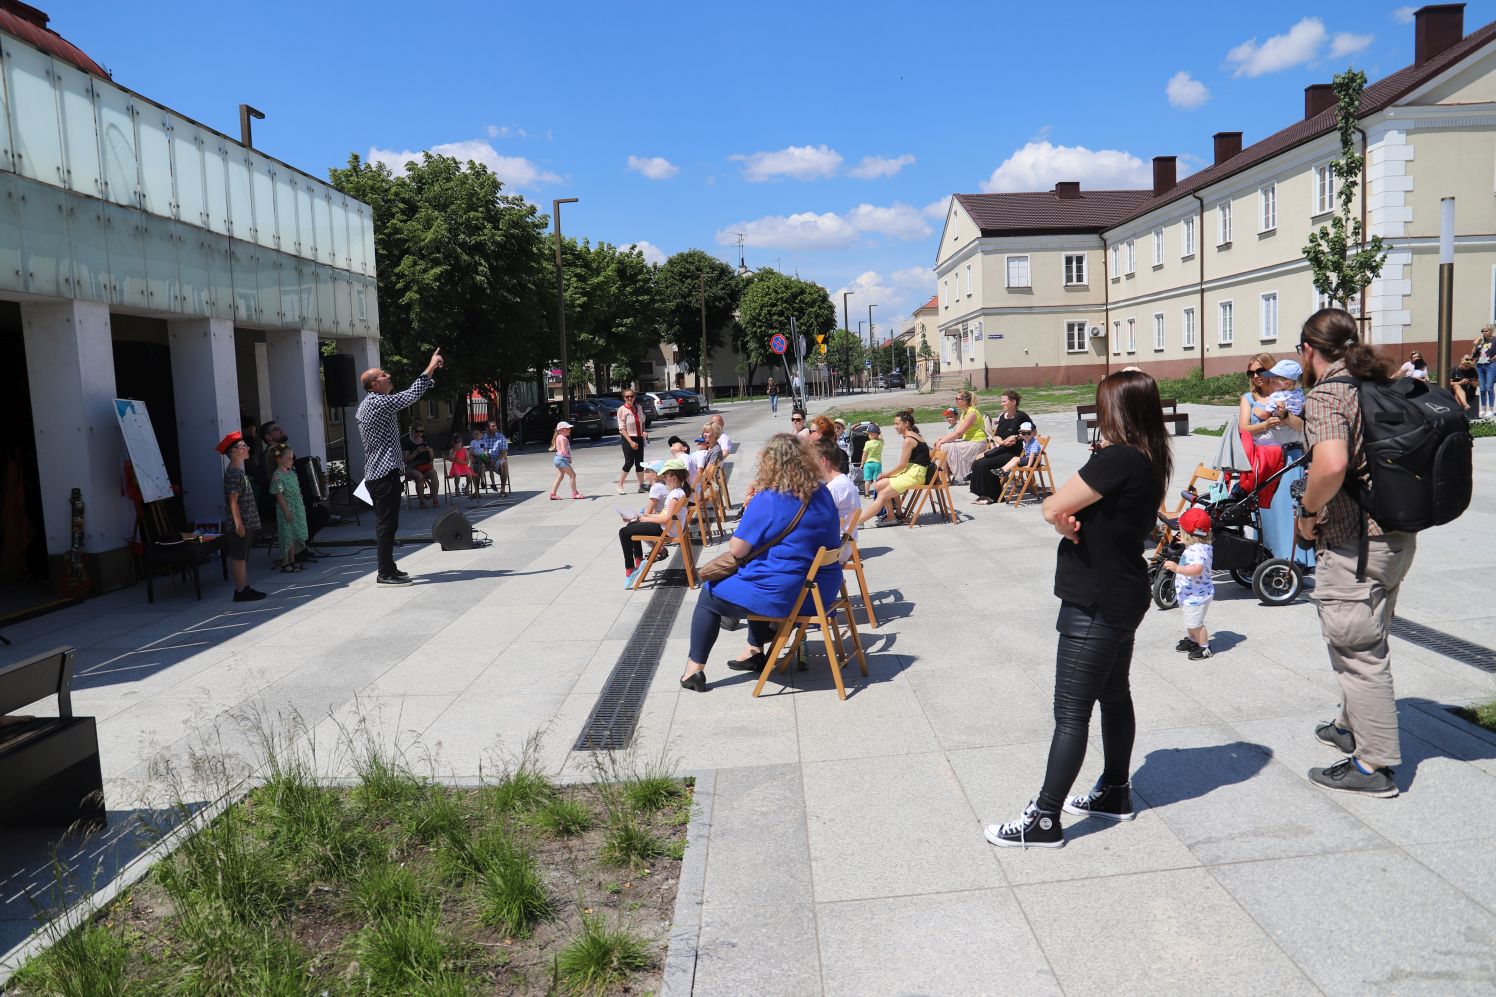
column 1097, row 332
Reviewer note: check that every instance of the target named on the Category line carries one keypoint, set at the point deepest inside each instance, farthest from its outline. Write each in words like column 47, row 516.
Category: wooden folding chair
column 1169, row 518
column 793, row 627
column 705, row 506
column 1033, row 475
column 725, row 495
column 854, row 563
column 676, row 534
column 937, row 492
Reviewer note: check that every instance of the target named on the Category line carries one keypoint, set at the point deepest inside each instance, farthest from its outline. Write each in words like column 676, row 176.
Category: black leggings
column 633, row 456
column 1091, row 665
column 633, row 550
column 984, row 471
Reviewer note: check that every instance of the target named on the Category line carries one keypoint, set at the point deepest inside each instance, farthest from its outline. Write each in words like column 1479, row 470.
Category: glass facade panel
column 285, row 211
column 187, row 174
column 246, row 289
column 88, row 232
column 127, row 256
column 6, row 162
column 154, row 156
column 327, row 313
column 80, row 129
column 117, row 146
column 338, row 206
column 46, row 267
column 305, row 230
column 36, row 134
column 163, row 278
column 195, row 266
column 363, row 300
column 220, row 275
column 368, row 236
column 11, row 278
column 241, row 204
column 306, row 295
column 322, row 214
column 267, row 279
column 261, row 173
column 215, row 182
column 343, row 300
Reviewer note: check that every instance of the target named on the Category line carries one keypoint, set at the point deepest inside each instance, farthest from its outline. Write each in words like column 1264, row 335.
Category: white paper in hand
column 362, row 493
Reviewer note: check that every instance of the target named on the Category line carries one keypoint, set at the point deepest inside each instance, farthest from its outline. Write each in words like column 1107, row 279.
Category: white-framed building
column 1061, row 286
column 145, row 255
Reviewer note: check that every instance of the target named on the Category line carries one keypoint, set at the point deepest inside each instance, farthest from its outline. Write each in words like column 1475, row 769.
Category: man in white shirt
column 842, row 488
column 729, row 447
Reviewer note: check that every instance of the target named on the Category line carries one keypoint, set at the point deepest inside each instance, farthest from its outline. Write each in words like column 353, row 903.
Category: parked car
column 892, row 380
column 661, row 403
column 609, row 406
column 690, row 402
column 538, row 423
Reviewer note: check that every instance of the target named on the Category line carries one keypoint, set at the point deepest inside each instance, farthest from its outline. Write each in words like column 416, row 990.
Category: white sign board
column 145, row 452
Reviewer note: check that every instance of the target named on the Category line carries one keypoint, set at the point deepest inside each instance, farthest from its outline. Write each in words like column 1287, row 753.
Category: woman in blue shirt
column 788, row 481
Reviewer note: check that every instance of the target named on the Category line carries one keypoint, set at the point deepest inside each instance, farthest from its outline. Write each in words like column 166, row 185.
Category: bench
column 1085, row 420
column 164, row 543
column 49, row 766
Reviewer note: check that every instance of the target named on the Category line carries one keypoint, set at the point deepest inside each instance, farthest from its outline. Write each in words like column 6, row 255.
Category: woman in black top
column 1103, row 516
column 1005, row 446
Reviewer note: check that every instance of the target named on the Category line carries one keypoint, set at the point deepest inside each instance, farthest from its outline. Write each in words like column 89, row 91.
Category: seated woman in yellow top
column 966, row 441
column 913, row 466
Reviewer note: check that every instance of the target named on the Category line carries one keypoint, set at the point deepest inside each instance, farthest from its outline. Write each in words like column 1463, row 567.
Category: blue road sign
column 778, row 343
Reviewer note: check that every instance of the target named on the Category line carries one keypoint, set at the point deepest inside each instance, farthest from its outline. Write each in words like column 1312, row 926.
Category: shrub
column 512, row 896
column 387, row 889
column 406, row 954
column 92, row 959
column 627, row 842
column 521, row 790
column 563, row 818
column 599, row 960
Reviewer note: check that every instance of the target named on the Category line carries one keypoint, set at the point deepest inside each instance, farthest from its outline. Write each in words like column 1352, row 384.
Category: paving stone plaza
column 837, row 846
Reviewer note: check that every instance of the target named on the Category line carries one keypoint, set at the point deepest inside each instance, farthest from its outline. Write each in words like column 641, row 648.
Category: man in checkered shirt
column 379, row 424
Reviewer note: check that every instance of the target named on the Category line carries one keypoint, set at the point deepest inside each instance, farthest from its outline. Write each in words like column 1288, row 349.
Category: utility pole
column 561, row 305
column 700, row 376
column 872, row 340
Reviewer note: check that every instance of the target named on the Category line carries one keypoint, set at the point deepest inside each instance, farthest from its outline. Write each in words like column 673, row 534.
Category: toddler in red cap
column 1192, row 582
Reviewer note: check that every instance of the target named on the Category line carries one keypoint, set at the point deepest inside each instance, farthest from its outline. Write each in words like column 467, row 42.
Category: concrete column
column 207, row 399
column 365, row 355
column 296, row 389
column 70, row 369
column 262, row 382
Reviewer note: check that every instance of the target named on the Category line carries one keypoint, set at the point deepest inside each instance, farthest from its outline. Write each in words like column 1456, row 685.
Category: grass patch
column 1482, row 715
column 391, row 886
column 1484, row 427
column 1210, row 431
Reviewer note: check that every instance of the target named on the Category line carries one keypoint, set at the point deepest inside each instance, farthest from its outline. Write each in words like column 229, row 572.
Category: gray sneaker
column 1347, row 778
column 1332, row 735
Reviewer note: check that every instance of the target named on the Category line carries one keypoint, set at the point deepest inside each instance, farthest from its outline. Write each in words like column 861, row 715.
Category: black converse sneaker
column 1347, row 777
column 1035, row 828
column 1111, row 802
column 1185, row 643
column 1332, row 735
column 1200, row 651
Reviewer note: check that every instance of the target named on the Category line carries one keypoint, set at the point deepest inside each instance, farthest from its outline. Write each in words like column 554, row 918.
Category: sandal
column 554, row 496
column 577, row 495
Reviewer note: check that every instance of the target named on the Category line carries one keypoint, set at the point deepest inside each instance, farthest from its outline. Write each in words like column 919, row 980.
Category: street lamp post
column 561, row 303
column 846, row 328
column 872, row 340
column 701, row 367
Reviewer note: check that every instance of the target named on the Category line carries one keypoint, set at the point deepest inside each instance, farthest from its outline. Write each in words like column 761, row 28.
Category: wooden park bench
column 49, row 766
column 1085, row 420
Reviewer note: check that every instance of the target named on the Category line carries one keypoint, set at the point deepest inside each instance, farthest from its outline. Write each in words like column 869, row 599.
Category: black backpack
column 1419, row 454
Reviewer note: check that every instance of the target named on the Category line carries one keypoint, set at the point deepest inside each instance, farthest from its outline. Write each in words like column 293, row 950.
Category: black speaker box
column 339, row 380
column 453, row 531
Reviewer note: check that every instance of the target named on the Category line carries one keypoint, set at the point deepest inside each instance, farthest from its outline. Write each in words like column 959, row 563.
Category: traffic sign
column 778, row 343
column 821, row 339
column 823, row 349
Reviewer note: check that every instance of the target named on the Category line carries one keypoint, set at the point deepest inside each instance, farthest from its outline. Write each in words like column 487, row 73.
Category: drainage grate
column 615, row 715
column 1466, row 653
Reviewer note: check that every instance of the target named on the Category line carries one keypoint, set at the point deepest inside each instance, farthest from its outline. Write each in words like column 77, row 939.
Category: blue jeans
column 706, row 624
column 1487, row 374
column 774, row 403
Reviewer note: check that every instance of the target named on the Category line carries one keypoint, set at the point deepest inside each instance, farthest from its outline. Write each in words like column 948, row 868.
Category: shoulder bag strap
column 755, row 552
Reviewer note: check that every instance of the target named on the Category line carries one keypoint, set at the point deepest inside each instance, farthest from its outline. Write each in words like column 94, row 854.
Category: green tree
column 686, row 281
column 770, row 300
column 1342, row 264
column 846, row 352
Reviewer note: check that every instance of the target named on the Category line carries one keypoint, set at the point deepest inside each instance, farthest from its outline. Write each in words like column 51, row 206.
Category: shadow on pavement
column 1171, row 775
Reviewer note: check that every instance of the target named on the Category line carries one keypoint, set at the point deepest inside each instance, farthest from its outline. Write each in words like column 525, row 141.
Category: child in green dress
column 290, row 512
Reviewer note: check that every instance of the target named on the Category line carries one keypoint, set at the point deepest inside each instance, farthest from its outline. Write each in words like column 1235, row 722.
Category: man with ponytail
column 1355, row 602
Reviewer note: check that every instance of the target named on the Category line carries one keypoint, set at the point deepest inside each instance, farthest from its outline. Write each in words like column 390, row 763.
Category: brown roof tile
column 1043, row 212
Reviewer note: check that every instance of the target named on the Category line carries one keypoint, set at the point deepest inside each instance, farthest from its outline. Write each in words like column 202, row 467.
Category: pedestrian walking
column 631, row 434
column 1103, row 516
column 1484, row 350
column 561, row 445
column 773, row 398
column 378, row 424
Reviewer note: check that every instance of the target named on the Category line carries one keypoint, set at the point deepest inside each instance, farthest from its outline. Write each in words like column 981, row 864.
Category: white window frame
column 1132, row 335
column 1132, row 257
column 1268, row 303
column 1159, row 343
column 1028, row 272
column 968, row 280
column 1075, row 336
column 1322, row 190
column 1158, row 247
column 1267, row 207
column 1187, row 237
column 1116, row 261
column 1078, row 272
column 1117, row 333
column 945, row 294
column 1225, row 322
column 1187, row 328
column 1223, row 223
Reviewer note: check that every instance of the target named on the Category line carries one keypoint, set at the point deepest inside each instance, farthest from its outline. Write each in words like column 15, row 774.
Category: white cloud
column 1404, row 15
column 1345, row 43
column 504, row 131
column 799, row 162
column 805, row 231
column 896, row 297
column 515, row 171
column 1040, row 165
column 653, row 167
column 916, row 277
column 1186, row 91
column 874, row 167
column 936, row 209
column 899, row 220
column 651, row 252
column 1299, row 45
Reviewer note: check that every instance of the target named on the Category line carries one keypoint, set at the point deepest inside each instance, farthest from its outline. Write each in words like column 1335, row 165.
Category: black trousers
column 386, row 493
column 1091, row 665
column 984, row 471
column 632, row 548
column 633, row 456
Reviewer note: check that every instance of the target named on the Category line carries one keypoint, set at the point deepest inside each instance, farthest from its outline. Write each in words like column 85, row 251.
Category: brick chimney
column 1435, row 28
column 1318, row 97
column 1067, row 190
column 1165, row 174
column 1227, row 144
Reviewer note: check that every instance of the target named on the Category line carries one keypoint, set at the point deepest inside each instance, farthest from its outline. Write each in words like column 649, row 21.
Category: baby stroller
column 1236, row 528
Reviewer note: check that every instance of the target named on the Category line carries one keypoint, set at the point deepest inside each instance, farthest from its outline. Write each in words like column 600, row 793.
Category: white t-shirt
column 693, row 465
column 848, row 505
column 1408, row 370
column 658, row 493
column 725, row 442
column 680, row 514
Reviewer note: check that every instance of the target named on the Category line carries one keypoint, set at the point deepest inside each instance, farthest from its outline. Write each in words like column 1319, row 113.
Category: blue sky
column 829, row 134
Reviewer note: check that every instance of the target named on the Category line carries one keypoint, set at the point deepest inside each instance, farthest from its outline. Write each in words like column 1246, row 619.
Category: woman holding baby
column 1272, row 412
